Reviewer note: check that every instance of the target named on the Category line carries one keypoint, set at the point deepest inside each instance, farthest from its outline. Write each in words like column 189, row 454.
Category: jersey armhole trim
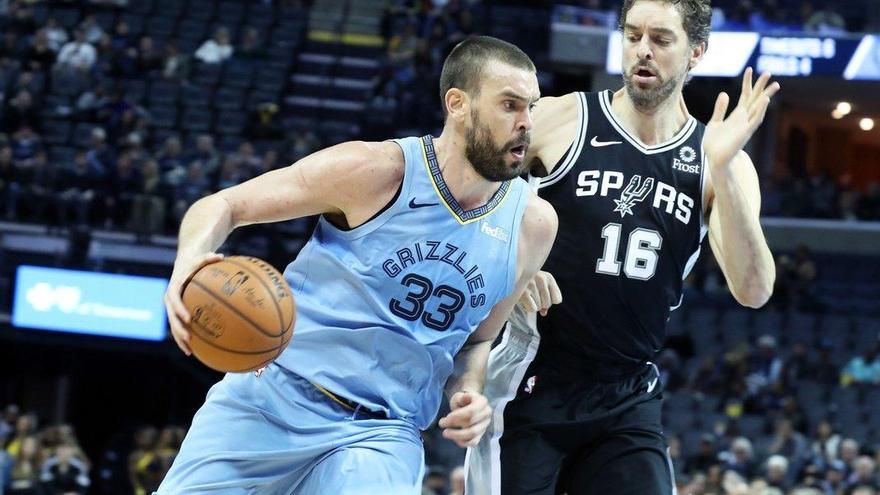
column 574, row 151
column 389, row 210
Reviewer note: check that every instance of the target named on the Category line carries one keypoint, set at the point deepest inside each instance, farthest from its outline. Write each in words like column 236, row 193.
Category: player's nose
column 643, row 49
column 524, row 123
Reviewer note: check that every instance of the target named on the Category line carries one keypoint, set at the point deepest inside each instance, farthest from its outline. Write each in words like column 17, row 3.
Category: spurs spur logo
column 636, row 192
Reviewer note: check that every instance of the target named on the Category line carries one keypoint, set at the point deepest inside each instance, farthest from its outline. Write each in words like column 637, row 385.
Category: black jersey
column 630, row 228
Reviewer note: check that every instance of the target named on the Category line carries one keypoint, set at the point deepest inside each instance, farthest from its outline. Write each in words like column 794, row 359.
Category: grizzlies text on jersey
column 631, row 221
column 383, row 308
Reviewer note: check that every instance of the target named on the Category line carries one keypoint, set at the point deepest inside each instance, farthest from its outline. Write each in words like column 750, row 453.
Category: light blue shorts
column 277, row 434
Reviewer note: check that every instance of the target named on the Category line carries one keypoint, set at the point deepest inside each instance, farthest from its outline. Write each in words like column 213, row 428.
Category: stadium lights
column 836, row 114
column 844, row 107
column 866, row 124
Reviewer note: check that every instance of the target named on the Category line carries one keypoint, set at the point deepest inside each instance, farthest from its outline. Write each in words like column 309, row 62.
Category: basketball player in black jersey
column 636, row 182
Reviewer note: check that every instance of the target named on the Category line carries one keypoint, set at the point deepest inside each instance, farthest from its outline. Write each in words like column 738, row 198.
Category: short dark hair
column 696, row 16
column 463, row 67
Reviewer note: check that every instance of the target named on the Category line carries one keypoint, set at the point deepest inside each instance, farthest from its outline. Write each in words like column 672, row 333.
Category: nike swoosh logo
column 652, row 384
column 414, row 205
column 598, row 144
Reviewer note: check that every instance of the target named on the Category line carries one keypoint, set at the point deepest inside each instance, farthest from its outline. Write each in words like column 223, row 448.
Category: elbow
column 757, row 294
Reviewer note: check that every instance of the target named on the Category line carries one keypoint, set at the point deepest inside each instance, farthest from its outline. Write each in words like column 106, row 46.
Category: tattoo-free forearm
column 469, row 372
column 748, row 263
column 205, row 227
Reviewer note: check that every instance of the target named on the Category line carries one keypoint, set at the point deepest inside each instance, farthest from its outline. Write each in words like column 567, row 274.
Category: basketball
column 242, row 314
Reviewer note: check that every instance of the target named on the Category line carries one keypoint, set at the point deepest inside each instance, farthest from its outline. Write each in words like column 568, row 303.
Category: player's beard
column 489, row 160
column 648, row 99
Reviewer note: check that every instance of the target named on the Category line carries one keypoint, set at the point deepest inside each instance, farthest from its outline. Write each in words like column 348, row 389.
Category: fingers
column 746, row 92
column 467, row 437
column 178, row 331
column 758, row 90
column 543, row 294
column 555, row 292
column 720, row 107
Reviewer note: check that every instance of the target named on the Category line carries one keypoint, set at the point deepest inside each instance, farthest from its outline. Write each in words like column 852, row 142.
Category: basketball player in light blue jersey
column 420, row 253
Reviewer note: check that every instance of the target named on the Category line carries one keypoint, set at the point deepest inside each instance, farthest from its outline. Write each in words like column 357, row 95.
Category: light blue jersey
column 382, row 309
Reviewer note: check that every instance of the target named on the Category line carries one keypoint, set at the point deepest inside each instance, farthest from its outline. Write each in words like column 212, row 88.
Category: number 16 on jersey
column 640, row 259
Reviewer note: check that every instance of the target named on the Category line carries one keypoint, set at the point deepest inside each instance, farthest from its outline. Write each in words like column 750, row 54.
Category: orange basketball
column 242, row 314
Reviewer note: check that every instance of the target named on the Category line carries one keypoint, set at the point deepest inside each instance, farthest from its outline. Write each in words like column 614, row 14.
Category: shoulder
column 539, row 223
column 557, row 108
column 375, row 162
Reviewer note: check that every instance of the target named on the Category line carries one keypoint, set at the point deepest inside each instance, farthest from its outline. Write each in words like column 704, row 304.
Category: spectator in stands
column 864, row 473
column 789, row 443
column 216, row 49
column 124, row 183
column 39, row 182
column 56, row 34
column 148, row 205
column 175, row 65
column 847, row 197
column 826, row 442
column 823, row 196
column 826, row 371
column 92, row 31
column 230, row 173
column 63, row 474
column 864, row 490
column 835, row 478
column 149, row 59
column 248, row 161
column 849, row 452
column 207, row 154
column 740, row 458
column 194, row 188
column 868, row 204
column 100, row 156
column 21, row 17
column 251, row 47
column 798, row 366
column 777, row 472
column 25, row 145
column 705, row 456
column 140, row 459
column 25, row 426
column 77, row 55
column 169, row 156
column 826, row 21
column 20, row 111
column 671, row 374
column 123, row 39
column 456, row 481
column 765, row 366
column 40, row 56
column 25, row 475
column 864, row 368
column 80, row 184
column 435, row 481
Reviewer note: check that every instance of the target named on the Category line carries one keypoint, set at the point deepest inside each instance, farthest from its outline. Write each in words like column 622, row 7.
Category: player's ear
column 697, row 53
column 457, row 104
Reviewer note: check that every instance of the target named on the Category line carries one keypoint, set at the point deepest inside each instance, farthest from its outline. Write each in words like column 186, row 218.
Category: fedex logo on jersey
column 637, row 190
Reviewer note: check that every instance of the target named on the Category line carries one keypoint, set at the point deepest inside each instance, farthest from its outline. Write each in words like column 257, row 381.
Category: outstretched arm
column 735, row 200
column 470, row 413
column 347, row 182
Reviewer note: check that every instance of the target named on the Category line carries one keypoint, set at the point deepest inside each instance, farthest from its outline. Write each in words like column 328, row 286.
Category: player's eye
column 662, row 42
column 532, row 107
column 509, row 105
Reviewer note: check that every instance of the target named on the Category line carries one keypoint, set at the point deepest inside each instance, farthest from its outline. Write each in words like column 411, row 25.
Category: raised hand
column 725, row 137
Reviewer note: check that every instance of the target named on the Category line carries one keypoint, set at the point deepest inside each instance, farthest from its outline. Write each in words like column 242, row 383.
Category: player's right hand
column 541, row 293
column 178, row 316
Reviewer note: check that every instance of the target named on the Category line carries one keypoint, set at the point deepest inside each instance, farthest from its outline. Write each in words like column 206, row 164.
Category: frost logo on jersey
column 636, row 192
column 685, row 161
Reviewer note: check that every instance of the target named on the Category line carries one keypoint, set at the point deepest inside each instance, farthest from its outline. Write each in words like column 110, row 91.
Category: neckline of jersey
column 460, row 214
column 677, row 139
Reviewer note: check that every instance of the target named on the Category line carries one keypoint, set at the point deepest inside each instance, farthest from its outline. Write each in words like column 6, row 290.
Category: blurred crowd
column 125, row 172
column 820, row 196
column 787, row 455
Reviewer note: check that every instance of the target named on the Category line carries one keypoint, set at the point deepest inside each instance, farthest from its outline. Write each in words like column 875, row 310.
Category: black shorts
column 584, row 436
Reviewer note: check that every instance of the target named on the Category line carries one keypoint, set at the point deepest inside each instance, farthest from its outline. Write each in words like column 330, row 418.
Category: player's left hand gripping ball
column 468, row 419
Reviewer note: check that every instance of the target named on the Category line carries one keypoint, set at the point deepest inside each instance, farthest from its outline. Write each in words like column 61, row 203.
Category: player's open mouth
column 644, row 76
column 519, row 152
